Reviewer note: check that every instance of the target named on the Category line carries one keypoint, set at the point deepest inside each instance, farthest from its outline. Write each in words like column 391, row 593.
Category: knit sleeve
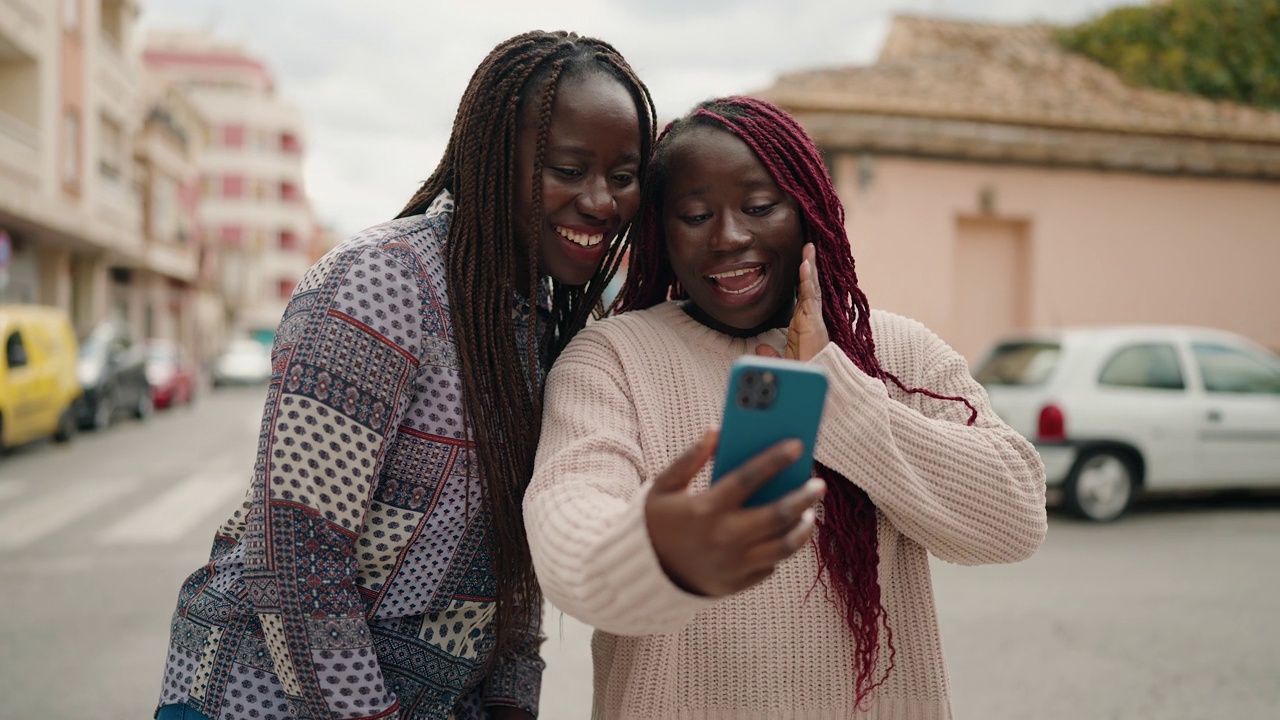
column 344, row 362
column 584, row 509
column 968, row 494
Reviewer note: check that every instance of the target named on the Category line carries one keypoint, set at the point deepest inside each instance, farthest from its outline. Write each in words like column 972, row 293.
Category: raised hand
column 807, row 334
column 707, row 542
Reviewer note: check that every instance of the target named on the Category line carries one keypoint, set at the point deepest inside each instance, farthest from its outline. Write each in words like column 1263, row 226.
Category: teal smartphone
column 770, row 400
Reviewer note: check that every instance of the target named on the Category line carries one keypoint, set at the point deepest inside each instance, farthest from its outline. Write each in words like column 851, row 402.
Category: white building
column 253, row 207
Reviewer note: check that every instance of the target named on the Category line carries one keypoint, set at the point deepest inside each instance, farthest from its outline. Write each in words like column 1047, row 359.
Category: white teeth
column 578, row 238
column 733, row 273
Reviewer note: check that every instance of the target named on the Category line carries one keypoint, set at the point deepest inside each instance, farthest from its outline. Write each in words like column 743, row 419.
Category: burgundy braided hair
column 846, row 544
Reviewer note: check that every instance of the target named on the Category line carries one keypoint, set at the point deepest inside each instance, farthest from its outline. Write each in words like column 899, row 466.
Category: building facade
column 99, row 204
column 994, row 182
column 253, row 207
column 70, row 86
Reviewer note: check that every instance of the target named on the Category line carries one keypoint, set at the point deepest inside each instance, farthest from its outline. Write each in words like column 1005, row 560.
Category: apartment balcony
column 119, row 211
column 173, row 260
column 22, row 24
column 252, row 163
column 267, row 214
column 20, row 152
column 119, row 78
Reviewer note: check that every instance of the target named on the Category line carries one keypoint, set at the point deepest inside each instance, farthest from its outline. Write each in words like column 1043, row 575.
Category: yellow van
column 38, row 384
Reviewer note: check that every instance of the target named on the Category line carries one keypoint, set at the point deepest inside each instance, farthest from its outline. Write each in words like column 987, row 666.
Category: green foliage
column 1222, row 49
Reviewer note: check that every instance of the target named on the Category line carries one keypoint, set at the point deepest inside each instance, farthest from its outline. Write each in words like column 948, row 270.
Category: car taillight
column 1053, row 424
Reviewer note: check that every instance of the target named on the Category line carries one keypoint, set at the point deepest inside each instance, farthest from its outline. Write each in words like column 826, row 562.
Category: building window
column 290, row 144
column 164, row 200
column 71, row 147
column 114, row 14
column 232, row 186
column 285, row 289
column 70, row 15
column 232, row 235
column 233, row 136
column 288, row 240
column 288, row 191
column 111, row 162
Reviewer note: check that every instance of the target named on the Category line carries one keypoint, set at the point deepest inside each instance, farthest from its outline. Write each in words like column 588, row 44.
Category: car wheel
column 145, row 405
column 67, row 425
column 104, row 413
column 1101, row 485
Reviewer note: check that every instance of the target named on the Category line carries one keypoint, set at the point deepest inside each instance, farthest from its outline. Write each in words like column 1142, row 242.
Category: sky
column 378, row 81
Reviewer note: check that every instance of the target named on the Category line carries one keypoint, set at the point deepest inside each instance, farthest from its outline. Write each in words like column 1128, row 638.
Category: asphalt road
column 1171, row 613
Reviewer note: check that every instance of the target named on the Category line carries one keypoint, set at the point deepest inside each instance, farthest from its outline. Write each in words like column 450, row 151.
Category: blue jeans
column 179, row 712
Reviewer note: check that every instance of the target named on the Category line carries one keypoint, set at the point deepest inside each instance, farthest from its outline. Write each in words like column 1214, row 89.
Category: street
column 1170, row 613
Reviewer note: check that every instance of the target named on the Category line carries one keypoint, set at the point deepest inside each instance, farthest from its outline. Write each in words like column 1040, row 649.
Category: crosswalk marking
column 9, row 488
column 25, row 524
column 178, row 511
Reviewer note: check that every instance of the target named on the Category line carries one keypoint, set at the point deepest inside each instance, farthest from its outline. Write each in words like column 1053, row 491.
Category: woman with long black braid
column 379, row 567
column 704, row 609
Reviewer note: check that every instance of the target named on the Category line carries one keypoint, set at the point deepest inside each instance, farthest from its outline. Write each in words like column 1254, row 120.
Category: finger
column 776, row 519
column 682, row 470
column 804, row 285
column 772, row 552
column 814, row 291
column 735, row 487
column 793, row 340
column 766, row 351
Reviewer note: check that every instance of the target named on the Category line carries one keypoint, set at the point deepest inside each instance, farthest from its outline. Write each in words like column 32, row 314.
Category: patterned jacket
column 355, row 580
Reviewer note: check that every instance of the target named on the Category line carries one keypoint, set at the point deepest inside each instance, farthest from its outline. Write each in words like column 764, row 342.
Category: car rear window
column 1019, row 363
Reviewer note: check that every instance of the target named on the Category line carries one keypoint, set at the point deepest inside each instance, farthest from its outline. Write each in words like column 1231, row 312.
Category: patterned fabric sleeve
column 516, row 681
column 344, row 362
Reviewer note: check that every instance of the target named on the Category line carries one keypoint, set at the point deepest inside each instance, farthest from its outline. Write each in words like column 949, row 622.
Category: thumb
column 766, row 351
column 679, row 473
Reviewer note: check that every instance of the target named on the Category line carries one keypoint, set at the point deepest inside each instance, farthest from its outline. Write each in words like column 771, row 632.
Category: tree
column 1221, row 49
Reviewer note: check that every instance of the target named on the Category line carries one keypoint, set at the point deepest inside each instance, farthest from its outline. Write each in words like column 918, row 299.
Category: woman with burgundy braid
column 705, row 608
column 379, row 568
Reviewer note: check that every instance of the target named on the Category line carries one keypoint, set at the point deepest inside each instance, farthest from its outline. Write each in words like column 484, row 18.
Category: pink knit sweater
column 631, row 393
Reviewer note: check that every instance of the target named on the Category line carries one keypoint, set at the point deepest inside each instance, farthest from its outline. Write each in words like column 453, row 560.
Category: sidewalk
column 566, row 684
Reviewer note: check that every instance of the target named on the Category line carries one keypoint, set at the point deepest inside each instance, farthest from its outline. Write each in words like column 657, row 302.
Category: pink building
column 995, row 182
column 253, row 207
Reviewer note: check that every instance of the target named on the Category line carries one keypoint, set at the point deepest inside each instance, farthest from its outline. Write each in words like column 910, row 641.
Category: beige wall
column 1096, row 247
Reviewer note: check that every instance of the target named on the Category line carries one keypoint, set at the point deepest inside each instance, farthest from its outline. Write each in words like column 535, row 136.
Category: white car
column 244, row 362
column 1115, row 410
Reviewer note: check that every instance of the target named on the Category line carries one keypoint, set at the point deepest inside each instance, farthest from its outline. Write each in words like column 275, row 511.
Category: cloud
column 378, row 82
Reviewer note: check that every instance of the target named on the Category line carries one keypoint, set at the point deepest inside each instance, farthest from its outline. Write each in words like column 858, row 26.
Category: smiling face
column 733, row 236
column 590, row 187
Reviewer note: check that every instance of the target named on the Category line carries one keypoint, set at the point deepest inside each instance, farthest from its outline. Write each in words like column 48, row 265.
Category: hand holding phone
column 707, row 542
column 770, row 400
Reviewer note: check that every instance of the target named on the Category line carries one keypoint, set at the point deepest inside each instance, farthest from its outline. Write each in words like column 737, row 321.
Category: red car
column 171, row 374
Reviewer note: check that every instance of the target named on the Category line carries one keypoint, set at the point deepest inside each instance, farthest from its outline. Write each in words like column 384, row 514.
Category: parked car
column 1118, row 410
column 170, row 373
column 113, row 373
column 39, row 391
column 244, row 362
